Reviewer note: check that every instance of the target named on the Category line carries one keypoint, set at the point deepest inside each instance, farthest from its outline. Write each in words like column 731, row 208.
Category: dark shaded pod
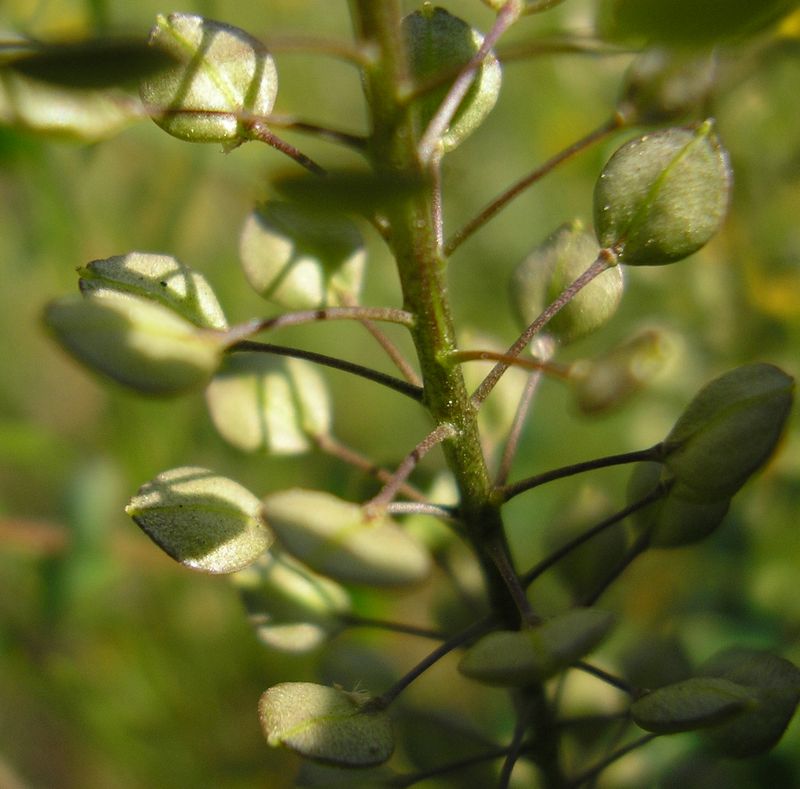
column 439, row 45
column 551, row 267
column 662, row 196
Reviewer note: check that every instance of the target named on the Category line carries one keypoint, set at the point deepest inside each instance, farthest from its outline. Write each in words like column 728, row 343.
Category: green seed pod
column 608, row 381
column 204, row 521
column 662, row 196
column 729, row 430
column 681, row 517
column 523, row 657
column 300, row 257
column 666, row 85
column 135, row 342
column 439, row 44
column 161, row 278
column 335, row 538
column 326, row 724
column 550, row 268
column 292, row 608
column 695, row 703
column 82, row 115
column 775, row 684
column 223, row 74
column 264, row 403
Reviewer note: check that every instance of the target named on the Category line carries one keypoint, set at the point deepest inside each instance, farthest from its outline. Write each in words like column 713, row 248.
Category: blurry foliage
column 119, row 668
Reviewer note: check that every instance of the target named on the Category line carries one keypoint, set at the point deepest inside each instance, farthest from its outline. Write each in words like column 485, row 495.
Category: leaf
column 92, row 64
column 335, row 538
column 694, row 703
column 202, row 520
column 326, row 724
column 524, row 657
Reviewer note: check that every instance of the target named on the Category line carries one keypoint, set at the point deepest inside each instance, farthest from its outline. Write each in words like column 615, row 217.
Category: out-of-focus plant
column 308, row 562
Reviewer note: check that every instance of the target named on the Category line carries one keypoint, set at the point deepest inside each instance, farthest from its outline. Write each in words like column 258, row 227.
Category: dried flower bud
column 265, row 403
column 439, row 44
column 301, row 257
column 554, row 265
column 136, row 342
column 223, row 76
column 326, row 724
column 523, row 657
column 161, row 278
column 729, row 430
column 662, row 196
column 337, row 539
column 204, row 521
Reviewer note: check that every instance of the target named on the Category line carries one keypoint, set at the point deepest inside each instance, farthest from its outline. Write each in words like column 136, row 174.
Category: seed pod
column 326, row 724
column 300, row 257
column 135, row 342
column 439, row 45
column 729, row 430
column 775, row 685
column 264, row 403
column 222, row 76
column 550, row 268
column 523, row 657
column 336, row 538
column 292, row 608
column 204, row 521
column 666, row 85
column 662, row 196
column 161, row 278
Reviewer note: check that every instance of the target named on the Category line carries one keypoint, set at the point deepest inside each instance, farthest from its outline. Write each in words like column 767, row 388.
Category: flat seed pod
column 694, row 703
column 222, row 74
column 264, row 403
column 335, row 538
column 775, row 683
column 202, row 520
column 292, row 608
column 662, row 196
column 326, row 724
column 524, row 657
column 440, row 44
column 550, row 268
column 136, row 342
column 301, row 258
column 161, row 278
column 730, row 429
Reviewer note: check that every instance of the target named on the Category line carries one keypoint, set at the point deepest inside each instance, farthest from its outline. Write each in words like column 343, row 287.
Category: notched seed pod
column 224, row 76
column 523, row 657
column 264, row 403
column 554, row 265
column 326, row 724
column 729, row 430
column 161, row 278
column 135, row 341
column 666, row 85
column 609, row 380
column 300, row 257
column 336, row 538
column 439, row 44
column 775, row 685
column 663, row 196
column 202, row 520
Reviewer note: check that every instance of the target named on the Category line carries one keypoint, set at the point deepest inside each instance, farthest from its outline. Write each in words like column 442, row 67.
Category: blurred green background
column 119, row 668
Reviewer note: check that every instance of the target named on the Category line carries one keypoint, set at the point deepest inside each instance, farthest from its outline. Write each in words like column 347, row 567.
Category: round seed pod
column 439, row 44
column 662, row 196
column 222, row 76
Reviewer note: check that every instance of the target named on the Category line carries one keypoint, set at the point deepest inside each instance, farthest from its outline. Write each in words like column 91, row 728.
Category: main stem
column 415, row 243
